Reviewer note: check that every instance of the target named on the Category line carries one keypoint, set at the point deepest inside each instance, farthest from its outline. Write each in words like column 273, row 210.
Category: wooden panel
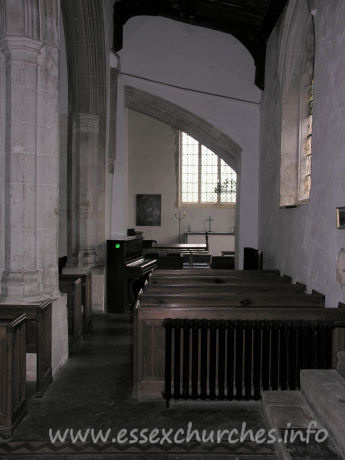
column 283, row 313
column 223, row 288
column 149, row 341
column 86, row 296
column 153, row 366
column 12, row 373
column 72, row 287
column 229, row 299
column 4, row 376
column 38, row 336
column 214, row 273
column 220, row 281
column 44, row 345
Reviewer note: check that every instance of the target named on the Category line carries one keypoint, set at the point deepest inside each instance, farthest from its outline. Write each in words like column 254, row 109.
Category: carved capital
column 87, row 122
column 19, row 48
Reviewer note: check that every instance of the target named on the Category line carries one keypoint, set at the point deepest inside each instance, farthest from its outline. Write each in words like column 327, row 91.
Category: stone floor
column 94, row 391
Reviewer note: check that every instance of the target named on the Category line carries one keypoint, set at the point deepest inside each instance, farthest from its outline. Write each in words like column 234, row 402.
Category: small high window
column 205, row 179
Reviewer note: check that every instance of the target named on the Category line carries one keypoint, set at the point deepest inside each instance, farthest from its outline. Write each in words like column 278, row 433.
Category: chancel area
column 172, row 223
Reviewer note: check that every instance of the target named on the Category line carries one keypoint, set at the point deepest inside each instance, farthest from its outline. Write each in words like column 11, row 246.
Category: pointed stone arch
column 184, row 120
column 86, row 64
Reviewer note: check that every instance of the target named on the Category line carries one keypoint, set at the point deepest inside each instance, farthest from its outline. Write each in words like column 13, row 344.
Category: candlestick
column 181, row 215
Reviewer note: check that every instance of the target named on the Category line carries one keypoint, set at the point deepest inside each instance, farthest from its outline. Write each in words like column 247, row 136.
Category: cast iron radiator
column 234, row 359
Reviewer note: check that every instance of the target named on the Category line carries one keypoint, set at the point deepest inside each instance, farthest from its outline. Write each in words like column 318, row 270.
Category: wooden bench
column 12, row 373
column 86, row 297
column 150, row 338
column 72, row 287
column 211, row 272
column 38, row 336
column 190, row 288
column 220, row 280
column 231, row 299
column 223, row 262
column 214, row 276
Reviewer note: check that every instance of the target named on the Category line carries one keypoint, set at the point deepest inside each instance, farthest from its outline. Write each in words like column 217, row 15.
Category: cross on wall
column 209, row 220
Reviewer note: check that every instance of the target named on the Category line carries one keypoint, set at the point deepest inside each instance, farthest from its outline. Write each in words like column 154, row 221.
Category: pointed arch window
column 297, row 90
column 306, row 144
column 205, row 179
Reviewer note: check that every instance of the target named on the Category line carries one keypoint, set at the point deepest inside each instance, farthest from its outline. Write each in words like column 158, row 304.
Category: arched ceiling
column 250, row 21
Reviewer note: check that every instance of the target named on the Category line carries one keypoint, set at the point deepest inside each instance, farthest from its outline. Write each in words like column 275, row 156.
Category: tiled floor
column 94, row 391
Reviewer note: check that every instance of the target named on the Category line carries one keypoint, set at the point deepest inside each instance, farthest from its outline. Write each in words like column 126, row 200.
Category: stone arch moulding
column 182, row 119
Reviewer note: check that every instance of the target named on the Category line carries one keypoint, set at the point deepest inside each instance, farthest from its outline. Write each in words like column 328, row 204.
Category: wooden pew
column 231, row 299
column 223, row 262
column 209, row 280
column 212, row 272
column 150, row 340
column 201, row 287
column 38, row 336
column 72, row 287
column 86, row 297
column 12, row 373
column 216, row 277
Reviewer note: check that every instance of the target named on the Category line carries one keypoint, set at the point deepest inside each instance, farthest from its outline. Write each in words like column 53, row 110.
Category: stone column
column 31, row 157
column 85, row 134
column 20, row 278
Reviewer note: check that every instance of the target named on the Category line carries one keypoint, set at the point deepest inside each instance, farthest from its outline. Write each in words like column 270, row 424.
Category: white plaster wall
column 202, row 60
column 304, row 242
column 189, row 56
column 152, row 169
column 118, row 181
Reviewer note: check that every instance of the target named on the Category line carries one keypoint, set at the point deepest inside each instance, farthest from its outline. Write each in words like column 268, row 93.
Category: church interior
column 172, row 226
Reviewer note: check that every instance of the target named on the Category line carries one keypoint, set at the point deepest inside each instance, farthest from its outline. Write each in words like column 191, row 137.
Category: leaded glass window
column 308, row 143
column 205, row 177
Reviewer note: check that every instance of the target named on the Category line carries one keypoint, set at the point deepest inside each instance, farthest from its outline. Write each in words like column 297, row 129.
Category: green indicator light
column 117, row 245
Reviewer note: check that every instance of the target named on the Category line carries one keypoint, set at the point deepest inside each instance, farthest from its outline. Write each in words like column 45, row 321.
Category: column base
column 20, row 286
column 98, row 284
column 84, row 257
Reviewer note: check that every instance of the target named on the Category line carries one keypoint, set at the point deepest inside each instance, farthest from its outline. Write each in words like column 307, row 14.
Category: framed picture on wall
column 341, row 217
column 148, row 210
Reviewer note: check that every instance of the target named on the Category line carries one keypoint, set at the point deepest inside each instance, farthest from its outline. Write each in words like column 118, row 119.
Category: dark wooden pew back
column 12, row 372
column 224, row 288
column 72, row 287
column 214, row 299
column 86, row 297
column 38, row 336
column 211, row 272
column 149, row 337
